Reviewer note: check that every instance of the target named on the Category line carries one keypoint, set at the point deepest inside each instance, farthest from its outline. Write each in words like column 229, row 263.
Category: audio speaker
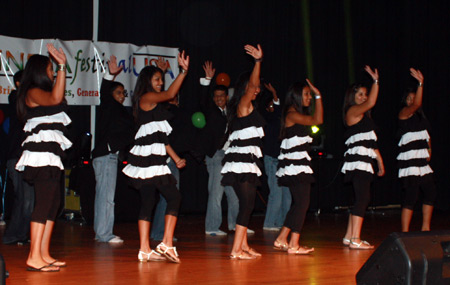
column 3, row 273
column 409, row 258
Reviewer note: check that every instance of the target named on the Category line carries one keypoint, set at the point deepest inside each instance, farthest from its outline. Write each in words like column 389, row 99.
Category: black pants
column 415, row 184
column 361, row 186
column 149, row 198
column 47, row 200
column 295, row 217
column 246, row 193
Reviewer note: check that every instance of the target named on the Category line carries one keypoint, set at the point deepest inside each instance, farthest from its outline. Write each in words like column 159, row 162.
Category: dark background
column 345, row 35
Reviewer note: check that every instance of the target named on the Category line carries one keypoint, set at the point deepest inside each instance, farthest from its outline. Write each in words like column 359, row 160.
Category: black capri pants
column 361, row 187
column 149, row 198
column 295, row 217
column 412, row 186
column 47, row 200
column 246, row 193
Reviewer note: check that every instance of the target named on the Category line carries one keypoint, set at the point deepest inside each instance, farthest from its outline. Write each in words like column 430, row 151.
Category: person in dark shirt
column 114, row 132
column 19, row 225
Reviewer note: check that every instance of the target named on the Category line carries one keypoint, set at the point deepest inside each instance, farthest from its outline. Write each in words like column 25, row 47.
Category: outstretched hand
column 114, row 69
column 312, row 87
column 256, row 53
column 58, row 55
column 416, row 74
column 209, row 70
column 183, row 61
column 372, row 73
column 162, row 64
column 270, row 88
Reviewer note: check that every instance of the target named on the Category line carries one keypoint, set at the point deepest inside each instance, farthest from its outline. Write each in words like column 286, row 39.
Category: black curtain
column 389, row 35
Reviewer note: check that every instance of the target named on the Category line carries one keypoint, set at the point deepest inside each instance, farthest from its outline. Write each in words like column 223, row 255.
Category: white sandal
column 164, row 252
column 365, row 244
column 145, row 257
column 346, row 241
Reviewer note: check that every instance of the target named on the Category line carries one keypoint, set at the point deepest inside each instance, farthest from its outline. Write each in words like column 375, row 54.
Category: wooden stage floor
column 204, row 259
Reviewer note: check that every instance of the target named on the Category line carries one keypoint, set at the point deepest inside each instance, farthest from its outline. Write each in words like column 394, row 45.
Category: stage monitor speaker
column 409, row 258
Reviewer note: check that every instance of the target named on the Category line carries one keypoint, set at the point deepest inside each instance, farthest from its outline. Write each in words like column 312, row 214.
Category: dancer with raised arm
column 148, row 158
column 40, row 104
column 242, row 164
column 294, row 169
column 362, row 151
column 415, row 153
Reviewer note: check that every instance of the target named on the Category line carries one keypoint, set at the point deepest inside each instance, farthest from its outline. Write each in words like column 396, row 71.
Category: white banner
column 86, row 64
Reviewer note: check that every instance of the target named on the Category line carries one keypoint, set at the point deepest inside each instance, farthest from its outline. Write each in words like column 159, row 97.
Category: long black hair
column 144, row 85
column 349, row 99
column 404, row 104
column 239, row 91
column 34, row 76
column 294, row 98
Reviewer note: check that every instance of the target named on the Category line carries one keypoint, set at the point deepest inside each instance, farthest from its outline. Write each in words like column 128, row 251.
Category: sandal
column 252, row 252
column 301, row 250
column 361, row 245
column 58, row 263
column 144, row 257
column 280, row 246
column 42, row 269
column 242, row 256
column 163, row 249
column 346, row 241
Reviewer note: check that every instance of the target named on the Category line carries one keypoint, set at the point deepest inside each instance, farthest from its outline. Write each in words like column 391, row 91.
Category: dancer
column 362, row 150
column 39, row 102
column 114, row 127
column 415, row 153
column 148, row 158
column 242, row 165
column 294, row 162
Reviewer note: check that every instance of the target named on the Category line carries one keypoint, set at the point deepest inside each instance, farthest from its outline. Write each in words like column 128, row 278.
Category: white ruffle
column 361, row 150
column 241, row 167
column 38, row 159
column 60, row 117
column 247, row 133
column 298, row 155
column 146, row 172
column 255, row 150
column 413, row 154
column 295, row 141
column 49, row 136
column 414, row 171
column 414, row 136
column 361, row 137
column 153, row 127
column 357, row 165
column 146, row 150
column 293, row 170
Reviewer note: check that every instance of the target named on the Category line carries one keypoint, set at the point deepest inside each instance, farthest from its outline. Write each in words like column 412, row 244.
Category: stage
column 204, row 259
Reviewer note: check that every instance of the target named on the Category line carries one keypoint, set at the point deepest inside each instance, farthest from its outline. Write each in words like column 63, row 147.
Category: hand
column 58, row 55
column 162, row 64
column 209, row 70
column 181, row 163
column 183, row 61
column 372, row 73
column 416, row 74
column 257, row 53
column 112, row 65
column 312, row 87
column 270, row 88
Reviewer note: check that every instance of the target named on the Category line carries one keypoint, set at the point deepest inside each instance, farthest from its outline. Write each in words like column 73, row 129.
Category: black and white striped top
column 242, row 158
column 147, row 160
column 45, row 142
column 294, row 162
column 412, row 159
column 361, row 142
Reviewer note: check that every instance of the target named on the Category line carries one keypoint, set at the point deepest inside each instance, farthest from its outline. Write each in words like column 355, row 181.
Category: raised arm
column 150, row 98
column 206, row 101
column 253, row 83
column 408, row 111
column 38, row 97
column 114, row 69
column 356, row 112
column 308, row 120
column 162, row 64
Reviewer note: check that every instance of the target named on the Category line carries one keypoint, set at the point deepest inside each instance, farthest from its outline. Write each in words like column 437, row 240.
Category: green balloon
column 198, row 120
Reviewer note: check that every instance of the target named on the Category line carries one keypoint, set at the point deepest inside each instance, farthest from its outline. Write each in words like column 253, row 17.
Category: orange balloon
column 223, row 79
